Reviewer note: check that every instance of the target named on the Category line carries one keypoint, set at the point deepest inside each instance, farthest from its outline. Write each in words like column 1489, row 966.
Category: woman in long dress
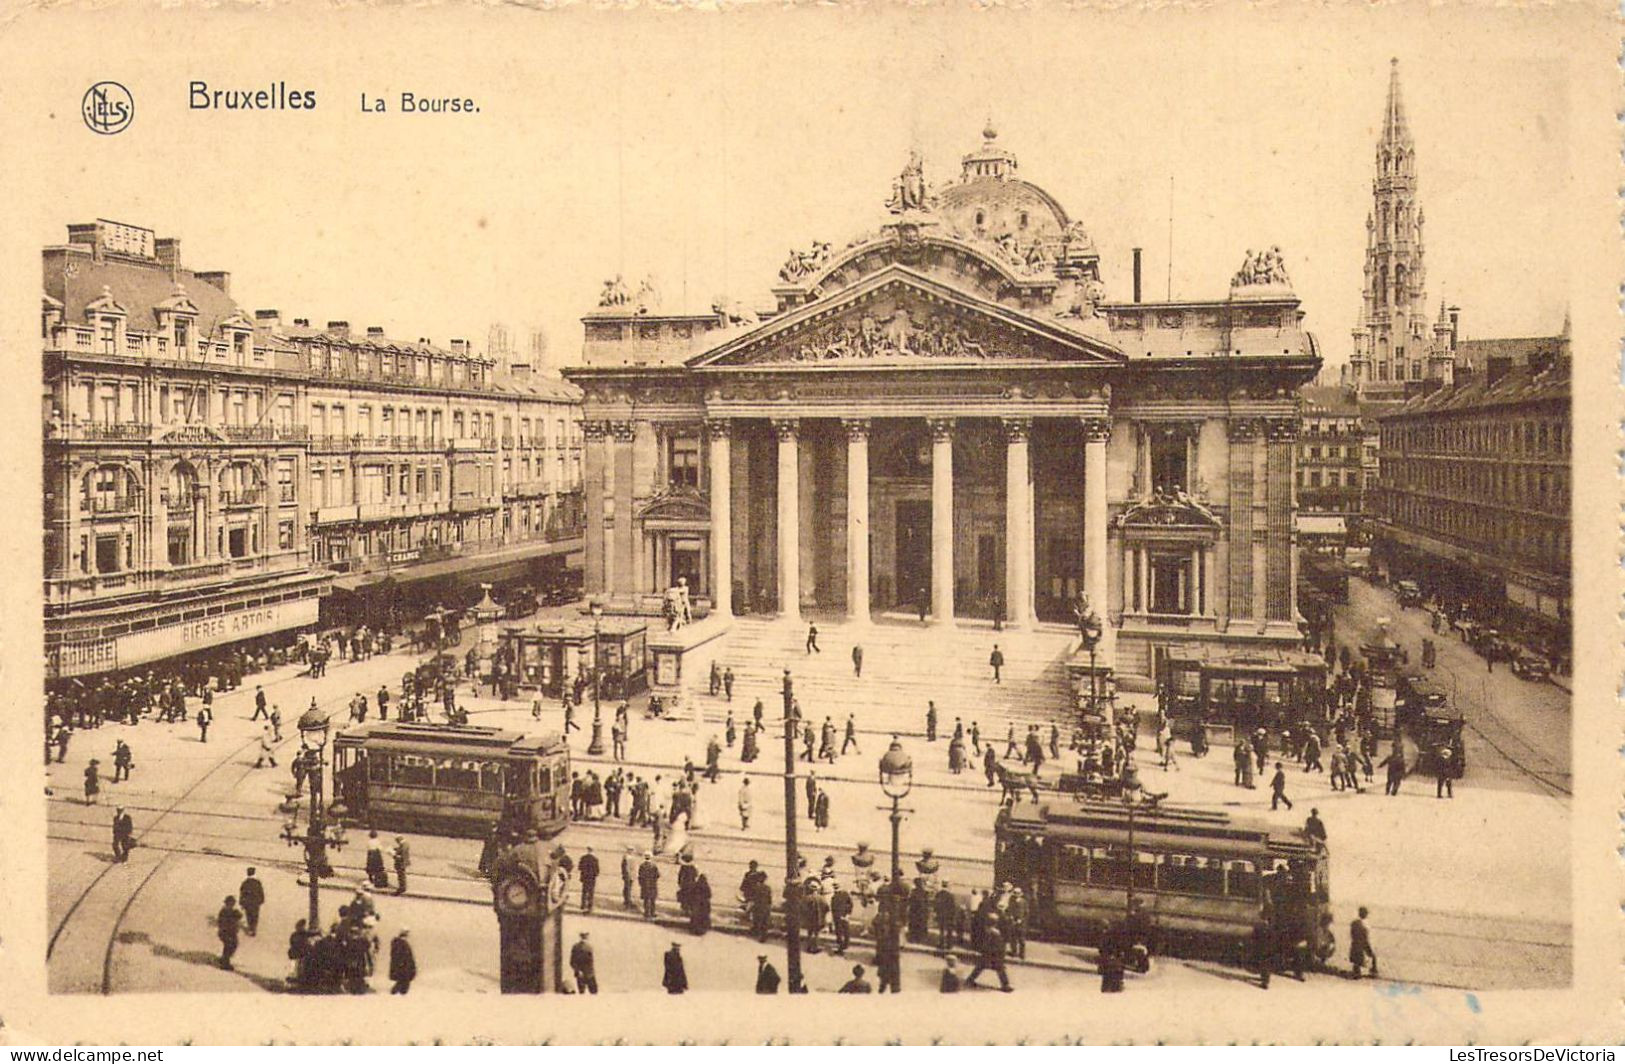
column 678, row 841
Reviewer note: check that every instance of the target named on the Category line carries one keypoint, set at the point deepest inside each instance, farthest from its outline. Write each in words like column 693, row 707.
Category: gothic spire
column 1396, row 131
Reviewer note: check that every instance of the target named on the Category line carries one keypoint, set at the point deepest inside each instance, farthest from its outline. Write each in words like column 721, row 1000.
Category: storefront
column 548, row 656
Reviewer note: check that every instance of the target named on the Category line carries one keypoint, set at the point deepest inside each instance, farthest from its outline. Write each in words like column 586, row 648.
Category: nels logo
column 107, row 107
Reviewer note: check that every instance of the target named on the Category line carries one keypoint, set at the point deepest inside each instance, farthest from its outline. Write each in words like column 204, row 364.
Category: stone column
column 716, row 430
column 942, row 520
column 1096, row 433
column 1144, row 594
column 1195, row 603
column 592, row 483
column 1018, row 521
column 1130, row 556
column 857, row 519
column 788, row 430
column 627, row 571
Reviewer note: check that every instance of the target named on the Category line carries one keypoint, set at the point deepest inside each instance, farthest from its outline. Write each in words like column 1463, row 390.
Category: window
column 1169, row 459
column 406, row 478
column 284, row 535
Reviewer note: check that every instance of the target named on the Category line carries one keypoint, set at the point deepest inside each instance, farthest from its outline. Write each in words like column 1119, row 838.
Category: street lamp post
column 896, row 779
column 314, row 726
column 1089, row 628
column 596, row 747
column 792, row 884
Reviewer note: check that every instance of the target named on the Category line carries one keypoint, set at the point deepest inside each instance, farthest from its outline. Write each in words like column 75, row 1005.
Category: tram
column 1202, row 878
column 441, row 779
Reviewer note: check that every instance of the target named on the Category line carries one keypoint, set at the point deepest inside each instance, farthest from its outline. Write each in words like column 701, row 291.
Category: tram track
column 143, row 839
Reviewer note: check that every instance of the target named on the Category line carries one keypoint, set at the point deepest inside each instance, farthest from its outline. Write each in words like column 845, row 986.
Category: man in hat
column 259, row 704
column 744, row 802
column 123, row 834
column 226, row 924
column 582, row 966
column 588, row 870
column 767, row 976
column 857, row 984
column 629, row 875
column 675, row 979
column 403, row 964
column 649, row 883
column 403, row 861
column 251, row 893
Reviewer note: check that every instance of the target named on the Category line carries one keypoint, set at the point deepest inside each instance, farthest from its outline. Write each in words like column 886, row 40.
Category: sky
column 699, row 149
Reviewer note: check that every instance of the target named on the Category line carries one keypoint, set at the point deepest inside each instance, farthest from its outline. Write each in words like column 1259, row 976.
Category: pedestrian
column 715, row 679
column 1360, row 945
column 949, row 983
column 699, row 904
column 675, row 979
column 251, row 895
column 947, row 910
column 403, row 861
column 1244, row 764
column 812, row 639
column 583, row 967
column 857, row 660
column 266, row 750
column 1260, row 950
column 767, row 976
column 617, row 736
column 403, row 964
column 840, row 915
column 376, row 873
column 1444, row 764
column 226, row 924
column 991, row 955
column 1395, row 763
column 821, row 810
column 851, row 738
column 588, row 869
column 276, row 723
column 930, row 722
column 857, row 984
column 93, row 781
column 649, row 883
column 996, row 659
column 1314, row 829
column 123, row 760
column 744, row 802
column 1278, row 789
column 730, row 730
column 205, row 717
column 63, row 734
column 123, row 834
column 728, row 682
column 976, row 736
column 629, row 875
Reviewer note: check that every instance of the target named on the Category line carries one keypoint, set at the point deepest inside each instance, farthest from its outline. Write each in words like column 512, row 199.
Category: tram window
column 1108, row 869
column 1177, row 874
column 457, row 775
column 1207, row 876
column 413, row 770
column 491, row 777
column 1145, row 870
column 1242, row 880
column 1072, row 863
column 377, row 769
column 544, row 780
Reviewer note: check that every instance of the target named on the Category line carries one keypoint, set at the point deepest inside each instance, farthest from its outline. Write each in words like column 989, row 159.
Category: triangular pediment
column 900, row 317
column 676, row 505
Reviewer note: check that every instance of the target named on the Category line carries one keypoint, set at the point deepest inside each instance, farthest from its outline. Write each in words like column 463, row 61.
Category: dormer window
column 241, row 346
column 1021, row 219
column 981, row 219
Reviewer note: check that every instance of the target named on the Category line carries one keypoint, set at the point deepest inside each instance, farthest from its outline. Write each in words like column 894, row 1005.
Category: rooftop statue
column 1263, row 267
column 614, row 293
column 908, row 191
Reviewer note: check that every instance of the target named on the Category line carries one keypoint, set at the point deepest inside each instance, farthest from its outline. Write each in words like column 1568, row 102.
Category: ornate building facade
column 210, row 475
column 1474, row 493
column 1393, row 342
column 945, row 415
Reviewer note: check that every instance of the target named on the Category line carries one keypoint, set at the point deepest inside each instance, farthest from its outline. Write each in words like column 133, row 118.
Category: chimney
column 270, row 319
column 459, row 347
column 167, row 249
column 1455, row 326
column 339, row 328
column 219, row 278
column 303, row 323
column 85, row 233
column 1496, row 367
column 375, row 332
column 1136, row 275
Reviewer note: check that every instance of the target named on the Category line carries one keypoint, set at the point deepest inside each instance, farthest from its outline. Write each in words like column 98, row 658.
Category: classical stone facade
column 947, row 416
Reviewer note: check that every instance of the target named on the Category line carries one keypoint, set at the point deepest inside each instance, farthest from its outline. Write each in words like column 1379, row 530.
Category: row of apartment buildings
column 211, row 475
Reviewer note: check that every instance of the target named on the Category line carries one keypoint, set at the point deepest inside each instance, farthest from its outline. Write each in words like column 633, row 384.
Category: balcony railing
column 110, row 504
column 98, row 430
column 242, row 497
column 337, row 444
column 62, row 590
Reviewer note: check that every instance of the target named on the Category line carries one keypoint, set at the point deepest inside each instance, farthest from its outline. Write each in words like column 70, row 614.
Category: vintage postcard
column 1110, row 514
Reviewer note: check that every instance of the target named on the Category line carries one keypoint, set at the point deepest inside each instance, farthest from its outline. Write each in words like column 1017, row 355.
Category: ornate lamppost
column 896, row 780
column 596, row 747
column 792, row 882
column 1090, row 630
column 314, row 727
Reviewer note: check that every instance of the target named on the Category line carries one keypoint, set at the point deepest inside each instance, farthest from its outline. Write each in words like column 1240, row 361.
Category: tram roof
column 577, row 630
column 1203, row 832
column 417, row 737
column 1259, row 659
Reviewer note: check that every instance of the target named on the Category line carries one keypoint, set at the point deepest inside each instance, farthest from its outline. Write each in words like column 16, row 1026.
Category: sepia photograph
column 1108, row 514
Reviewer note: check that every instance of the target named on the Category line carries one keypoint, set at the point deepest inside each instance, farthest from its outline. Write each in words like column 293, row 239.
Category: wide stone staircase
column 904, row 665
